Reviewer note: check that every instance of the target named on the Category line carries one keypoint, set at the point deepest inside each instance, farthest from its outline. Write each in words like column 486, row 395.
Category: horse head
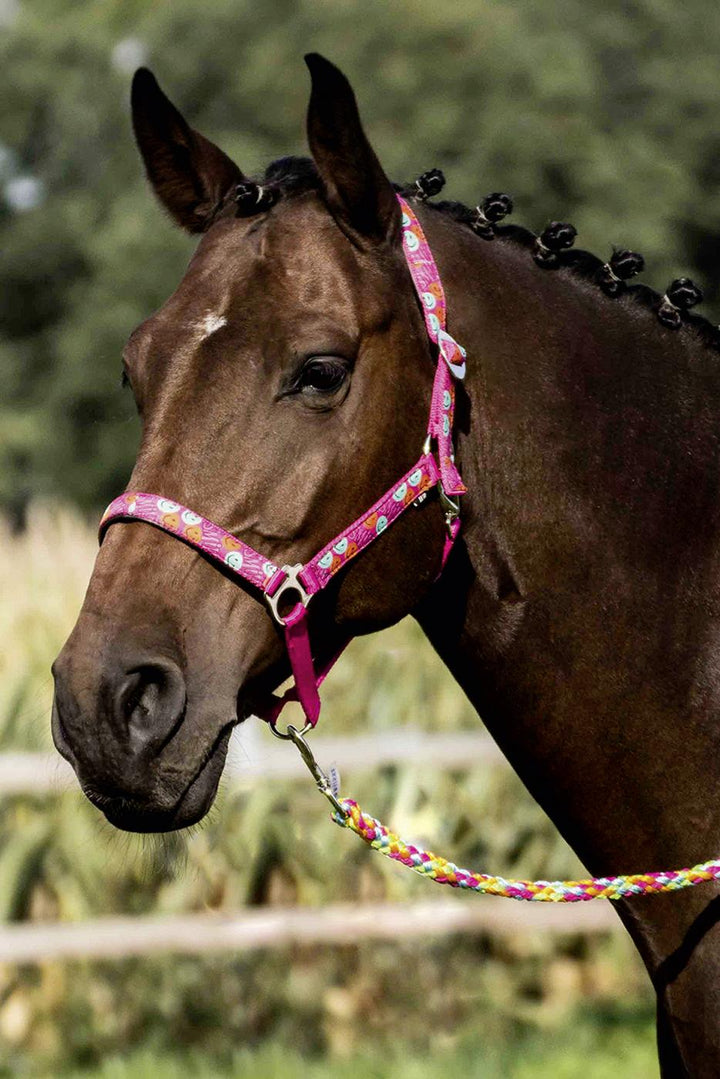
column 282, row 388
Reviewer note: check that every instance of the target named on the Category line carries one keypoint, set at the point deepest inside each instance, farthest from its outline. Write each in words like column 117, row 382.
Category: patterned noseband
column 289, row 589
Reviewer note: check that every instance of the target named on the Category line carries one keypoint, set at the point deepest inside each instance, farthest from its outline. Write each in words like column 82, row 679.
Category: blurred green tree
column 603, row 114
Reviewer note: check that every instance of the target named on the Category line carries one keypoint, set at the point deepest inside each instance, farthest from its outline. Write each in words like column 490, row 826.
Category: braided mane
column 288, row 176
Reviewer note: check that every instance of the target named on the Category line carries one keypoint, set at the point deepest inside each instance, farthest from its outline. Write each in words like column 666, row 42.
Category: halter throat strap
column 289, row 589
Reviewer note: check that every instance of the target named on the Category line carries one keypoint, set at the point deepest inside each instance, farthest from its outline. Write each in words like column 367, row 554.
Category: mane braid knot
column 681, row 295
column 623, row 265
column 556, row 237
column 252, row 198
column 428, row 184
column 489, row 213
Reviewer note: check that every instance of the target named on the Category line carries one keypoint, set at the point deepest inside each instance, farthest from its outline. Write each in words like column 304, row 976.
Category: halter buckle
column 451, row 507
column 292, row 583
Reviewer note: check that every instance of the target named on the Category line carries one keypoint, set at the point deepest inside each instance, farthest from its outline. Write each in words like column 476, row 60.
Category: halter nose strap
column 289, row 589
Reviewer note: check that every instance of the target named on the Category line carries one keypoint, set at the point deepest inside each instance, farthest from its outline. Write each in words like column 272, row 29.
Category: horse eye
column 322, row 375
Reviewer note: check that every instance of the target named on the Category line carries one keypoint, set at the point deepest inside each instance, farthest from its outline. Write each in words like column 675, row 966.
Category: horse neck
column 581, row 612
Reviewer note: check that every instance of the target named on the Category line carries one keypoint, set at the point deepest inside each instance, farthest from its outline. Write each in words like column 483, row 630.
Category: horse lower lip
column 130, row 819
column 132, row 815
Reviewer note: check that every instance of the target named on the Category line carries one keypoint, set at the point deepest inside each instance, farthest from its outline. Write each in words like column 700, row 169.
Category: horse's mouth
column 162, row 786
column 134, row 814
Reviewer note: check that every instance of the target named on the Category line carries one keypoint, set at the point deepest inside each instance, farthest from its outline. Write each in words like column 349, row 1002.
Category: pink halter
column 294, row 586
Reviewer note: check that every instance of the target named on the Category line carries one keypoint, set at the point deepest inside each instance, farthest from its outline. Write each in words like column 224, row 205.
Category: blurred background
column 603, row 115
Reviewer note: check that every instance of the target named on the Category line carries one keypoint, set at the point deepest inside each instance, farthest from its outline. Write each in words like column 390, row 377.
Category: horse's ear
column 190, row 175
column 357, row 191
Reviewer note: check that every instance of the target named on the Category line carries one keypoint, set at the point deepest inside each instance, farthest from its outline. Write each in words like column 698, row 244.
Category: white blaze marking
column 211, row 323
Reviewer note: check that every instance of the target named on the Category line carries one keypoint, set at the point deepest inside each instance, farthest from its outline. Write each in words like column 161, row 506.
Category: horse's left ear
column 357, row 191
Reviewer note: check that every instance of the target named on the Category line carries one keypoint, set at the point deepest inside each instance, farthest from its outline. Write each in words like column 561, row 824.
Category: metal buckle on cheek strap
column 451, row 508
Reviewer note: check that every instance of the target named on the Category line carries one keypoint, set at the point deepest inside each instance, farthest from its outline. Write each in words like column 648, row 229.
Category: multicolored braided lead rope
column 536, row 891
column 348, row 814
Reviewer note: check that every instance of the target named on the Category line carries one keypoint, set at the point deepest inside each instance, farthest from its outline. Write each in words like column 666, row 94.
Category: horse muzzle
column 138, row 762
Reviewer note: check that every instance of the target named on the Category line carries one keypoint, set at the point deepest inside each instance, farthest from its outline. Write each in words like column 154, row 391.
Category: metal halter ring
column 292, row 583
column 291, row 734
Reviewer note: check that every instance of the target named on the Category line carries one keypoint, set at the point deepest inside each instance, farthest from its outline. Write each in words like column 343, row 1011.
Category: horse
column 286, row 383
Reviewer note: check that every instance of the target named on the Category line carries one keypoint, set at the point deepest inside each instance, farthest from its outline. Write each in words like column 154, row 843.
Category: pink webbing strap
column 199, row 532
column 428, row 286
column 302, row 582
column 297, row 642
column 411, row 487
column 274, row 706
column 245, row 562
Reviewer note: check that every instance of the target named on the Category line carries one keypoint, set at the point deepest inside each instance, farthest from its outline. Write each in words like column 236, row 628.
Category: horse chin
column 133, row 814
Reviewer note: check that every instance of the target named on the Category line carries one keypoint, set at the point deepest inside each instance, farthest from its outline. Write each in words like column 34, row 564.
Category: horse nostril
column 151, row 704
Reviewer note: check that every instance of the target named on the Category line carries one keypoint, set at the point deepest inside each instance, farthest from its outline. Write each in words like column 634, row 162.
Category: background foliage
column 603, row 114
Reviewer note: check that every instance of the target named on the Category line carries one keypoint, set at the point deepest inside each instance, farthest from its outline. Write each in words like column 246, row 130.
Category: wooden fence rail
column 255, row 756
column 253, row 929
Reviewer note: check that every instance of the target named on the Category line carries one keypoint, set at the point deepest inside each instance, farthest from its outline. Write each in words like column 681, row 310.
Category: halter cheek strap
column 289, row 589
